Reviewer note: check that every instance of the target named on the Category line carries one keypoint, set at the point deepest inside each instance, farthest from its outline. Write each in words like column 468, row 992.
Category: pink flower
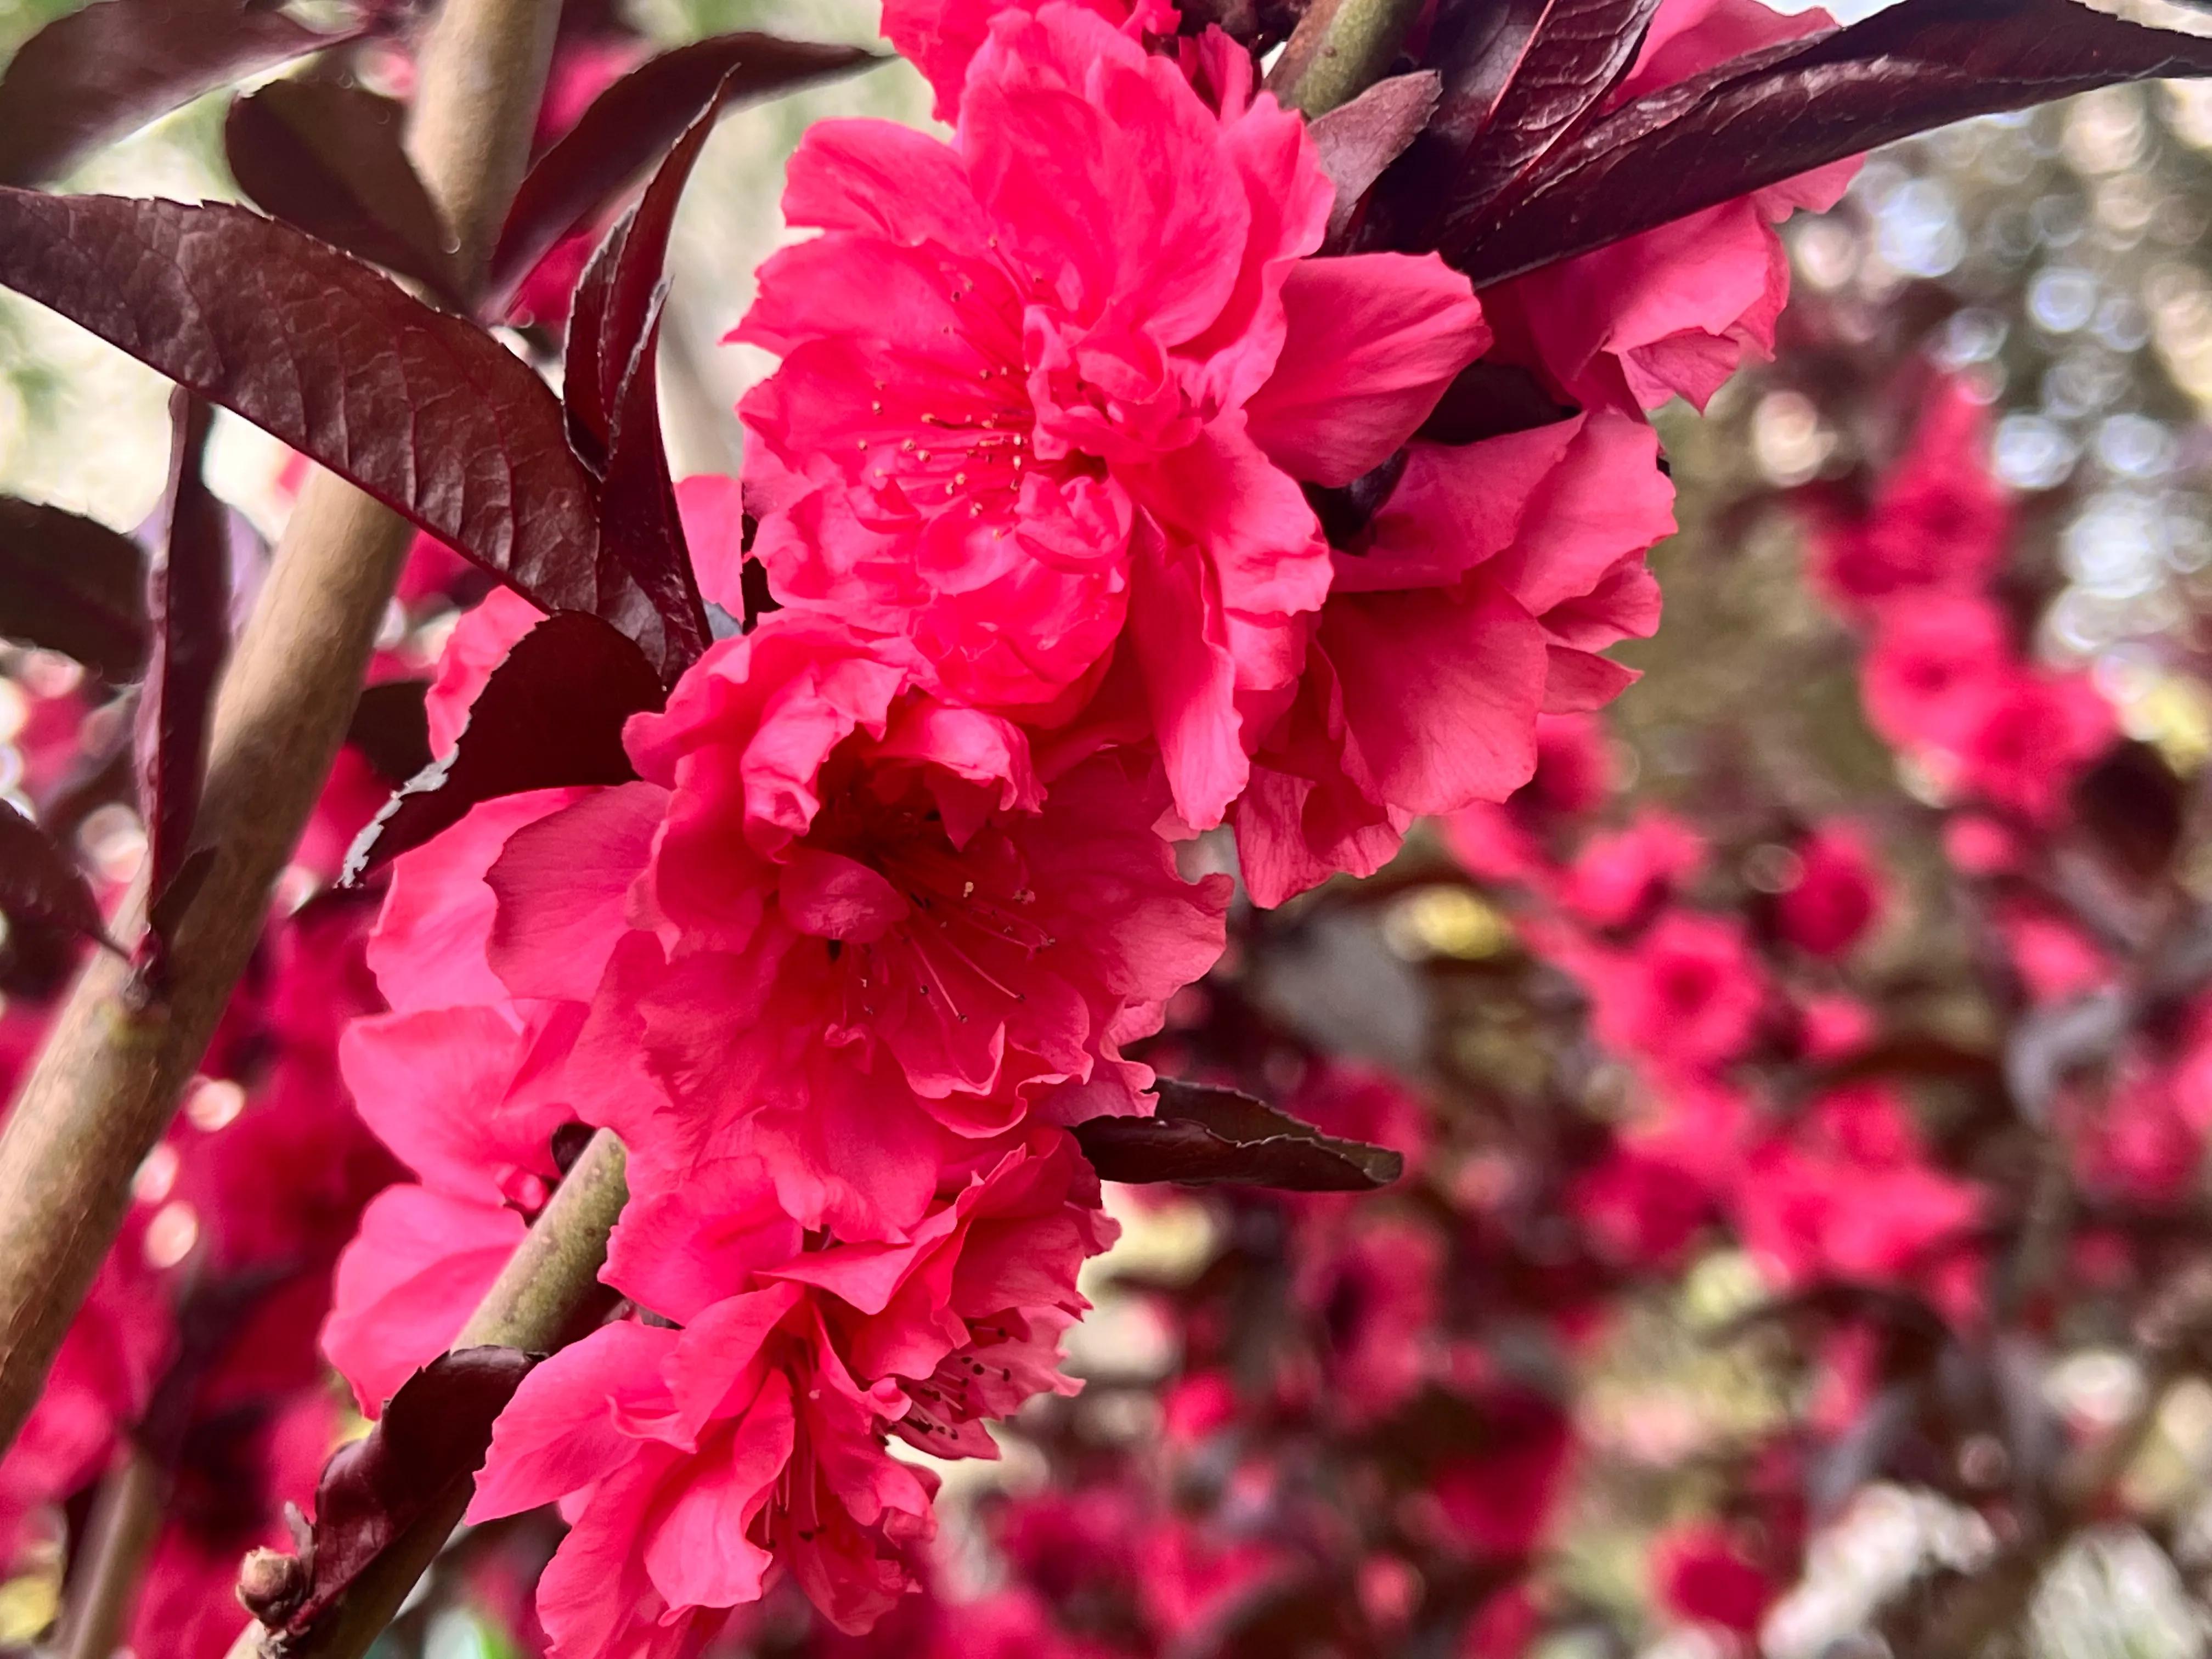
column 695, row 1463
column 1477, row 598
column 1497, row 1506
column 1688, row 992
column 1927, row 662
column 1838, row 896
column 478, row 644
column 843, row 931
column 2054, row 957
column 1377, row 1279
column 1048, row 392
column 1851, row 1198
column 941, row 36
column 2026, row 736
column 462, row 1081
column 1674, row 311
column 1700, row 1573
column 1618, row 880
column 1641, row 1209
column 1573, row 776
column 1939, row 522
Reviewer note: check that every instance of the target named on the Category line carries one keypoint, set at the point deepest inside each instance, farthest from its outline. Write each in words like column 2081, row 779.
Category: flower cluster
column 1099, row 508
column 1409, row 1422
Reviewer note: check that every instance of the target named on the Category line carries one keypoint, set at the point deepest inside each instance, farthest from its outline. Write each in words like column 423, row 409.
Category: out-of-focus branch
column 126, row 1519
column 108, row 1080
column 549, row 1287
column 1339, row 49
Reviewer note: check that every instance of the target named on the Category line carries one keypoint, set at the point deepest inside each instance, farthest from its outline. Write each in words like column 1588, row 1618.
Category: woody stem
column 549, row 1289
column 1339, row 49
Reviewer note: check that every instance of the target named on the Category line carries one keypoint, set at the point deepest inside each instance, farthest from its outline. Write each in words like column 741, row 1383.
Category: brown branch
column 107, row 1083
column 548, row 1294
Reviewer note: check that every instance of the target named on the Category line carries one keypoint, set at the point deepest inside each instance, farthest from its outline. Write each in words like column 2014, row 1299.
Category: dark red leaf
column 1203, row 1137
column 99, row 73
column 612, row 384
column 1516, row 88
column 638, row 514
column 1773, row 115
column 433, row 1433
column 328, row 158
column 1355, row 140
column 188, row 609
column 2133, row 808
column 550, row 715
column 631, row 123
column 38, row 884
column 391, row 728
column 421, row 409
column 74, row 585
column 618, row 292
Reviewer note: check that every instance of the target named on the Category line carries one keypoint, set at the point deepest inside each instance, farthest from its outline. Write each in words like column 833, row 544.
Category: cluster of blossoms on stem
column 1391, row 1424
column 1050, row 495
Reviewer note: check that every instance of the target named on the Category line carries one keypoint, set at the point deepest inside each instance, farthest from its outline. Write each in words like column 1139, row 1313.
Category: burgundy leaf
column 629, row 126
column 433, row 1436
column 72, row 585
column 328, row 158
column 638, row 514
column 391, row 728
column 613, row 403
column 1202, row 1137
column 1514, row 91
column 618, row 292
column 1771, row 115
column 38, row 884
column 188, row 609
column 2133, row 808
column 550, row 715
column 99, row 73
column 587, row 405
column 1355, row 140
column 421, row 409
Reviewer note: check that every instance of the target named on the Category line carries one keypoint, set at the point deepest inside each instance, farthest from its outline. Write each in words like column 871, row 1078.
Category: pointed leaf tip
column 1201, row 1136
column 39, row 884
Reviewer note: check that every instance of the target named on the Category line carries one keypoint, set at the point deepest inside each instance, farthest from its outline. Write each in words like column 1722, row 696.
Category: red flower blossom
column 1044, row 384
column 864, row 948
column 1938, row 523
column 1838, row 896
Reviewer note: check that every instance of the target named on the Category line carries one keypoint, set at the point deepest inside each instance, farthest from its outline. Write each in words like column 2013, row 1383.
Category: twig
column 126, row 1519
column 1339, row 49
column 549, row 1287
column 107, row 1083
